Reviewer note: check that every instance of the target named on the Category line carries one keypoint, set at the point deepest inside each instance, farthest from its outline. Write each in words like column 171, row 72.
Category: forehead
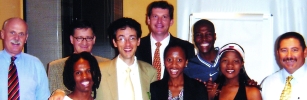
column 175, row 50
column 81, row 63
column 15, row 24
column 289, row 43
column 159, row 11
column 83, row 32
column 126, row 31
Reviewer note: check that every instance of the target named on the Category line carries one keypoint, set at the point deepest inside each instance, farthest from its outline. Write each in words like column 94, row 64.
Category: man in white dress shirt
column 291, row 53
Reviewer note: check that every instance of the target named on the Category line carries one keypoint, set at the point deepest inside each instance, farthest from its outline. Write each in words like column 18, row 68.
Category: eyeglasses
column 88, row 39
column 123, row 39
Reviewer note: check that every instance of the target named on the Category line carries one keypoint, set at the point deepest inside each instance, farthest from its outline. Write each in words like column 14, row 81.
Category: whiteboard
column 253, row 31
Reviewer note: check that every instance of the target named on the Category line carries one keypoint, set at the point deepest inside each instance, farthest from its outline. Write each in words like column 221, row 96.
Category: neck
column 159, row 37
column 128, row 61
column 209, row 56
column 177, row 81
column 81, row 95
column 232, row 81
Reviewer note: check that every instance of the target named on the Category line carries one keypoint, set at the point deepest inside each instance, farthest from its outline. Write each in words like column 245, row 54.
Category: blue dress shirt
column 33, row 81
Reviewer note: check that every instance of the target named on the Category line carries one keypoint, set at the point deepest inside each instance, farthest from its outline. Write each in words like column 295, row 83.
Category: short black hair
column 163, row 5
column 68, row 73
column 80, row 24
column 172, row 45
column 291, row 35
column 204, row 22
column 123, row 23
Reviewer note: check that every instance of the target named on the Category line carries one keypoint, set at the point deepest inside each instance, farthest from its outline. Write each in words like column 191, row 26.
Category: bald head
column 14, row 35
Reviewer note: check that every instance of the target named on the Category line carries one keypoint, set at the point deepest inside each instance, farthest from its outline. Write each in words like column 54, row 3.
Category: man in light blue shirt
column 32, row 78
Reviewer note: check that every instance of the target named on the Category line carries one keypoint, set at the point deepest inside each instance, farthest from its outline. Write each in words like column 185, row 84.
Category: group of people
column 158, row 66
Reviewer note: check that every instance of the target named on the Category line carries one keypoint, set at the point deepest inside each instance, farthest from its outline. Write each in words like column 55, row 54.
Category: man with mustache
column 22, row 76
column 289, row 83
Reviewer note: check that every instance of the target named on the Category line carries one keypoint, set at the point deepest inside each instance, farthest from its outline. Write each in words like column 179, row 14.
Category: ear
column 71, row 39
column 2, row 34
column 114, row 43
column 139, row 41
column 305, row 52
column 172, row 22
column 148, row 20
column 94, row 39
column 27, row 35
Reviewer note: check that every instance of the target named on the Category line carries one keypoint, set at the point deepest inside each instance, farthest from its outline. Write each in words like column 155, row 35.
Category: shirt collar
column 298, row 75
column 121, row 62
column 164, row 41
column 8, row 56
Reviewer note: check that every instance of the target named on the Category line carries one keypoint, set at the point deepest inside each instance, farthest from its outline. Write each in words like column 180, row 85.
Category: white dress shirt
column 121, row 67
column 164, row 43
column 274, row 84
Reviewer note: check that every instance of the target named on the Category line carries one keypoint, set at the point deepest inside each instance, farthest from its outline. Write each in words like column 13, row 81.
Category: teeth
column 174, row 71
column 204, row 44
column 85, row 83
column 230, row 71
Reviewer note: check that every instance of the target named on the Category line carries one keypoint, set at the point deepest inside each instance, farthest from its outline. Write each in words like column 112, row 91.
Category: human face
column 126, row 42
column 291, row 54
column 230, row 64
column 14, row 35
column 204, row 39
column 83, row 76
column 84, row 44
column 159, row 22
column 175, row 61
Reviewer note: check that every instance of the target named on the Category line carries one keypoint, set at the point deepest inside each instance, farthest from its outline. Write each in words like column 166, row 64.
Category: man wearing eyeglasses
column 82, row 38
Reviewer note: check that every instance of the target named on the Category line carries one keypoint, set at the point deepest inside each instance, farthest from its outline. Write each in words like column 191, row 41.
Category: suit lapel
column 112, row 79
column 146, row 49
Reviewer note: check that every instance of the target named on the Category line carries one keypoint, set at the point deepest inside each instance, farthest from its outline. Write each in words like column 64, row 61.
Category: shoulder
column 145, row 65
column 105, row 64
column 57, row 61
column 272, row 78
column 253, row 92
column 101, row 59
column 30, row 57
column 178, row 40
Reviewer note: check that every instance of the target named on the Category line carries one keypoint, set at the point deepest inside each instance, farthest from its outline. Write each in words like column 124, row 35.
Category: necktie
column 13, row 83
column 286, row 93
column 156, row 61
column 129, row 86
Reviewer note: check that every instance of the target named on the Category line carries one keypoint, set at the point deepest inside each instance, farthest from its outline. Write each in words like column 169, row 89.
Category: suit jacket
column 108, row 86
column 192, row 89
column 144, row 49
column 55, row 73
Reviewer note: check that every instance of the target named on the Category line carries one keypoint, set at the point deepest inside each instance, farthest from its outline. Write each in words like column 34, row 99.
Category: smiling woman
column 82, row 76
column 232, row 80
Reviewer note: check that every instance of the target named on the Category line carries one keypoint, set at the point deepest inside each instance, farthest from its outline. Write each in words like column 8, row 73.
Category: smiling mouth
column 174, row 71
column 85, row 83
column 230, row 71
column 204, row 44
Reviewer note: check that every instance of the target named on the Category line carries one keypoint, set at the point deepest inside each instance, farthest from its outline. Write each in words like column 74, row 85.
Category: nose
column 229, row 64
column 84, row 75
column 159, row 20
column 289, row 54
column 16, row 37
column 127, row 42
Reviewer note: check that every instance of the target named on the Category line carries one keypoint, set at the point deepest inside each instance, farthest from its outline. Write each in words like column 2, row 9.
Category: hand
column 210, row 85
column 57, row 95
column 252, row 82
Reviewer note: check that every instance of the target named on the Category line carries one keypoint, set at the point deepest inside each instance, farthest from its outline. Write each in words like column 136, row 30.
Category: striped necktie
column 157, row 61
column 286, row 93
column 13, row 82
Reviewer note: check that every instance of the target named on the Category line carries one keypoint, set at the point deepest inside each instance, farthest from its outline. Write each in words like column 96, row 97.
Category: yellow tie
column 128, row 86
column 286, row 93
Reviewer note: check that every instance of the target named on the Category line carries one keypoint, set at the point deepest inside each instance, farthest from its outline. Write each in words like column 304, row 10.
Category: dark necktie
column 13, row 82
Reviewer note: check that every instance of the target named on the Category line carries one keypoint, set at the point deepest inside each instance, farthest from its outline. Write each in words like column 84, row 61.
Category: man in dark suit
column 159, row 19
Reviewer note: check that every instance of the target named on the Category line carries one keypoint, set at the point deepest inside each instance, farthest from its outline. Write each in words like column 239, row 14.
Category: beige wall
column 136, row 9
column 10, row 8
